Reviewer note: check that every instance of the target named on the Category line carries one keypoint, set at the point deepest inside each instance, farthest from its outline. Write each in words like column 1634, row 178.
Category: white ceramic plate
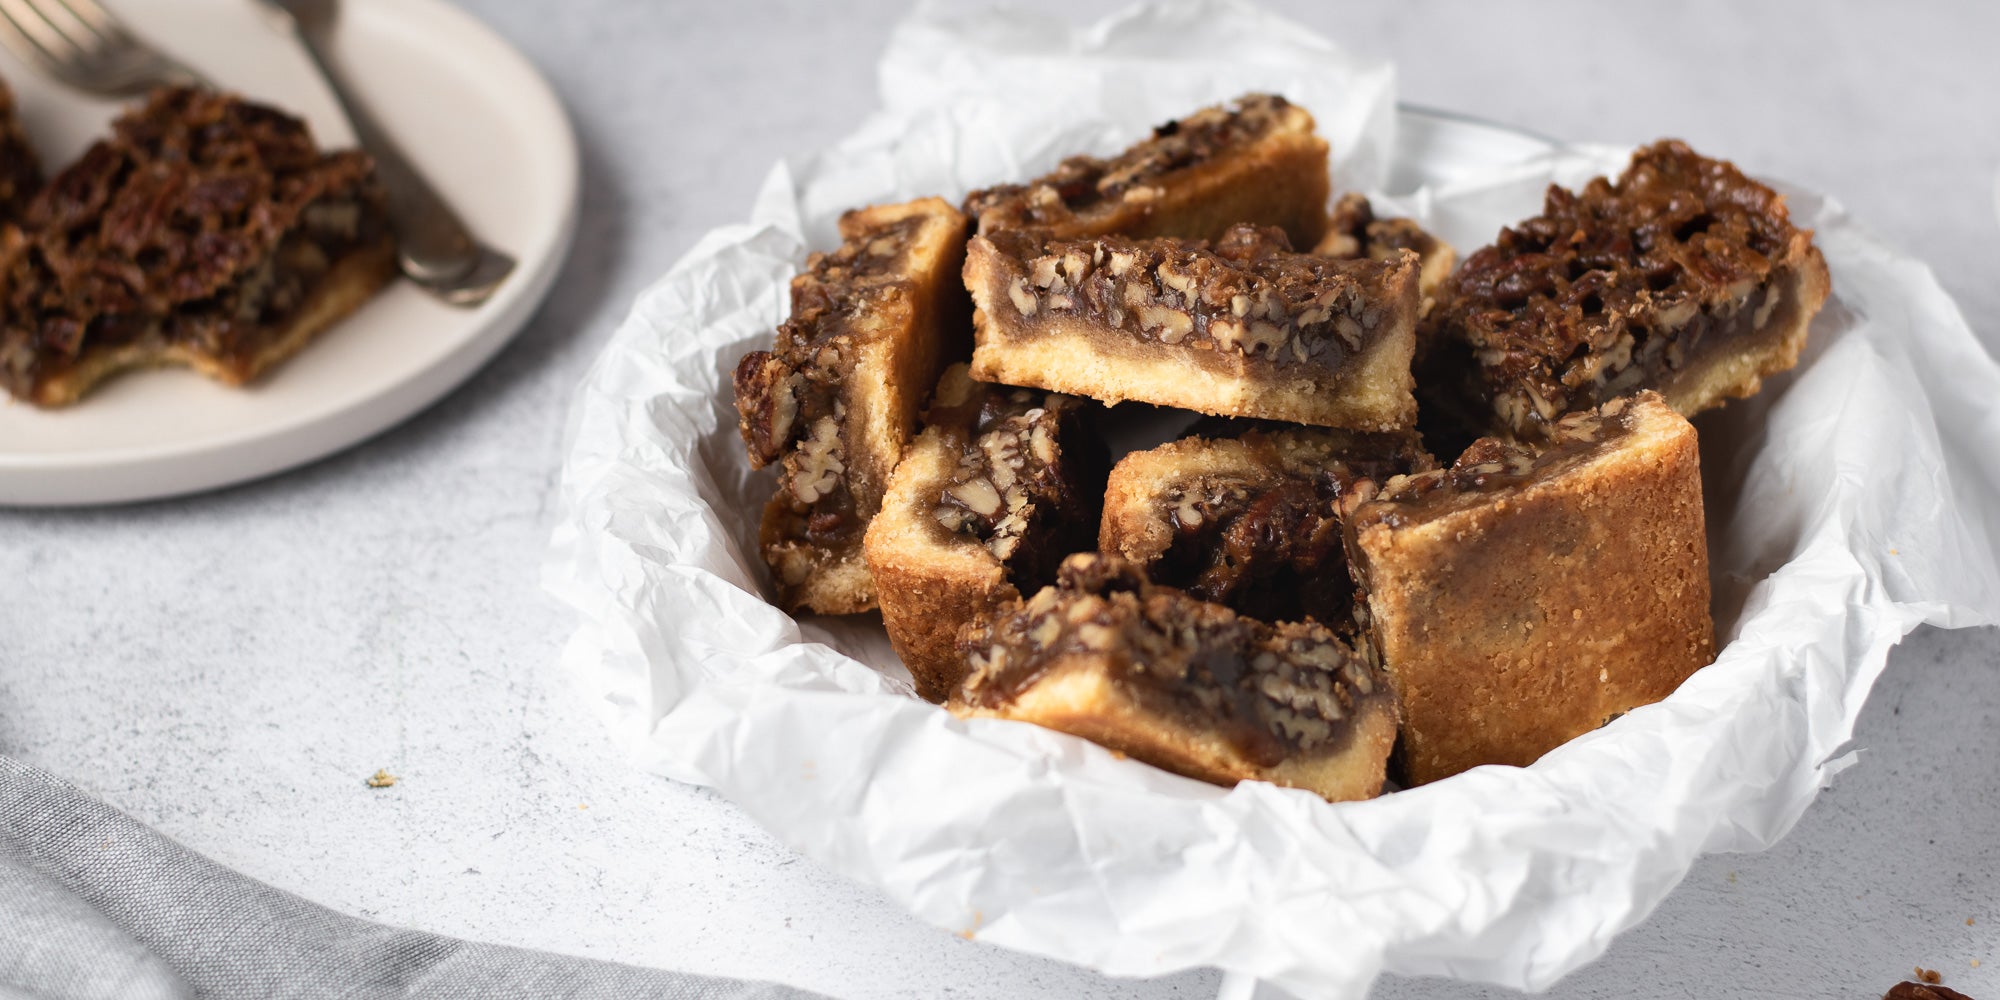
column 477, row 119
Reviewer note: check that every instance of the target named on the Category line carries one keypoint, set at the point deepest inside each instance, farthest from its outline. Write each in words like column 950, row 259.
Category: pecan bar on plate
column 1242, row 327
column 1683, row 276
column 1000, row 486
column 207, row 231
column 1255, row 160
column 1531, row 593
column 836, row 400
column 1183, row 684
column 1252, row 521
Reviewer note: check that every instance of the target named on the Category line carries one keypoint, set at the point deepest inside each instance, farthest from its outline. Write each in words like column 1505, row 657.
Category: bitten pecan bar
column 207, row 231
column 1251, row 522
column 836, row 399
column 1354, row 231
column 1529, row 594
column 1683, row 276
column 1255, row 160
column 1243, row 327
column 1183, row 684
column 20, row 168
column 1000, row 486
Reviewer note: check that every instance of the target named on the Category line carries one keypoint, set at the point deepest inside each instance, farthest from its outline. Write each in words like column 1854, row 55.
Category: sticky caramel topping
column 1489, row 466
column 1247, row 293
column 781, row 393
column 1615, row 287
column 1267, row 543
column 1270, row 691
column 1080, row 182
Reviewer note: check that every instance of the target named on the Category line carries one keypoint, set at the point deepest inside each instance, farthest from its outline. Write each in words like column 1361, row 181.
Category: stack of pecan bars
column 1298, row 589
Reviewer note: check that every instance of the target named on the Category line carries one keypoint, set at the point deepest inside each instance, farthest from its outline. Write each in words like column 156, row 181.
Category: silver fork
column 435, row 249
column 84, row 46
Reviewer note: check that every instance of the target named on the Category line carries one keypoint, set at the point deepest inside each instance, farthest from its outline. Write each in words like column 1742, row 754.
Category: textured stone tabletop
column 231, row 667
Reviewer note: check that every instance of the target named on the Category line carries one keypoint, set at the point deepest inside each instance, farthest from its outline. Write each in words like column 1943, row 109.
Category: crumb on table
column 381, row 779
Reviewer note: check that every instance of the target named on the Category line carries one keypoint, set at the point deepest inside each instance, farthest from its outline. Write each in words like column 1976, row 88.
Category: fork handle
column 434, row 248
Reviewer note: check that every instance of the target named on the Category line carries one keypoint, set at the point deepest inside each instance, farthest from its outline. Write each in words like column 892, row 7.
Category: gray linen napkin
column 94, row 904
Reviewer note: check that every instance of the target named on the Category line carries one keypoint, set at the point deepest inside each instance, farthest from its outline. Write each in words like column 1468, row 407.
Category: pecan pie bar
column 835, row 401
column 207, row 231
column 1183, row 684
column 1529, row 594
column 1255, row 160
column 1000, row 486
column 20, row 168
column 1243, row 327
column 1683, row 276
column 1354, row 231
column 1252, row 521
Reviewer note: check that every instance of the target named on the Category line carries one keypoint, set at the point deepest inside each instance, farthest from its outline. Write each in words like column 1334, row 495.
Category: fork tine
column 87, row 47
column 45, row 42
column 90, row 16
column 65, row 22
column 144, row 66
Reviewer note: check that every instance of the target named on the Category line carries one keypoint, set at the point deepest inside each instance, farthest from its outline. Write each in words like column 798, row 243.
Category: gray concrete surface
column 230, row 667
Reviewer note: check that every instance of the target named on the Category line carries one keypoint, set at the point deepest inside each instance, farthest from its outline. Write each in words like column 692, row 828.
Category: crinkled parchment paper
column 1853, row 499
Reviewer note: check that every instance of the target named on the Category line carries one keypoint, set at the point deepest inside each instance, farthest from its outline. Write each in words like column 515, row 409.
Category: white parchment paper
column 1855, row 498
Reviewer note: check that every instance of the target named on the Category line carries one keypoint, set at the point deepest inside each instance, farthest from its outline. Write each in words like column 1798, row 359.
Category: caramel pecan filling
column 1270, row 691
column 1247, row 294
column 1029, row 480
column 1081, row 182
column 1490, row 465
column 789, row 399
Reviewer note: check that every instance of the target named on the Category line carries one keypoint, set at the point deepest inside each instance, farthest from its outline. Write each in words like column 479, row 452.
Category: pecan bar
column 1683, row 276
column 1183, row 684
column 1354, row 231
column 1255, row 160
column 836, row 400
column 1243, row 327
column 1529, row 594
column 20, row 168
column 1000, row 486
column 1251, row 522
column 207, row 231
